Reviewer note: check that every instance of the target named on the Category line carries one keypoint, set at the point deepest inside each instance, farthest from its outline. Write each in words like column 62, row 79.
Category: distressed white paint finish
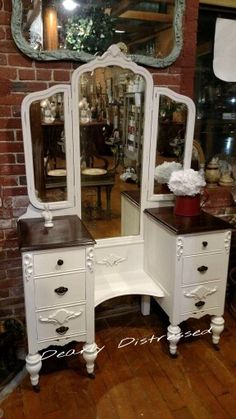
column 47, row 311
column 183, row 285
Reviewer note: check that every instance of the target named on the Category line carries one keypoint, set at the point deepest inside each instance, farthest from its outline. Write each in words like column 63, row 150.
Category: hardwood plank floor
column 137, row 378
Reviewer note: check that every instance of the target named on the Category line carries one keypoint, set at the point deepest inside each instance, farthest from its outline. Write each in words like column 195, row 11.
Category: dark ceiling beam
column 150, row 16
column 122, row 7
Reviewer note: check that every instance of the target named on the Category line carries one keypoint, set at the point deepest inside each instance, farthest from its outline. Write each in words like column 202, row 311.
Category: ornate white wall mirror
column 171, row 148
column 111, row 100
column 151, row 32
column 92, row 149
column 46, row 124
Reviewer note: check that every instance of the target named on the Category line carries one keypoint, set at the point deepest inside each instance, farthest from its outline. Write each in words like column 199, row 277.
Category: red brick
column 2, row 34
column 27, row 74
column 10, row 123
column 20, row 201
column 166, row 79
column 7, row 46
column 8, row 72
column 22, row 86
column 5, row 18
column 16, row 111
column 44, row 75
column 20, row 158
column 3, row 59
column 19, row 136
column 16, row 169
column 11, row 99
column 9, row 180
column 12, row 147
column 5, row 88
column 14, row 191
column 18, row 60
column 7, row 5
column 5, row 111
column 60, row 75
column 54, row 65
column 7, row 158
column 14, row 273
column 6, row 136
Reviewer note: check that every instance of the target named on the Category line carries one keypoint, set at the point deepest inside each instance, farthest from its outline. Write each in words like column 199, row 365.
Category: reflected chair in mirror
column 97, row 171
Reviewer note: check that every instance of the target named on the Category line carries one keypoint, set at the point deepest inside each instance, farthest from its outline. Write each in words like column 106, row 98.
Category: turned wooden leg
column 89, row 355
column 217, row 327
column 33, row 366
column 173, row 336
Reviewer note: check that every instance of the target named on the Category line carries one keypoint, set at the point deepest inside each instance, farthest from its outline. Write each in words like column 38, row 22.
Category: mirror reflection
column 171, row 138
column 111, row 108
column 48, row 148
column 145, row 27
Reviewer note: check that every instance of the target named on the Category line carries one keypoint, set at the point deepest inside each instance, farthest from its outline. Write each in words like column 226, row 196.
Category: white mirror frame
column 27, row 138
column 191, row 115
column 113, row 57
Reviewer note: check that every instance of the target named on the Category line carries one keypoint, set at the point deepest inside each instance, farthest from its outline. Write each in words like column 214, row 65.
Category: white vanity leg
column 173, row 336
column 33, row 366
column 145, row 305
column 89, row 355
column 217, row 327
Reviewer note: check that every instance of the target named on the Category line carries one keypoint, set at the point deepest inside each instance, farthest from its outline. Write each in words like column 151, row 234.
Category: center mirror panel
column 111, row 124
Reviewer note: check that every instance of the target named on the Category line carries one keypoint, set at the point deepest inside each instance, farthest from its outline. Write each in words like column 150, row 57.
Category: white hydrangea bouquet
column 163, row 171
column 186, row 182
column 187, row 186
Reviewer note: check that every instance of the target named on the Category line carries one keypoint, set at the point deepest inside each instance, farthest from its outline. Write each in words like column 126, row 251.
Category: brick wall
column 20, row 75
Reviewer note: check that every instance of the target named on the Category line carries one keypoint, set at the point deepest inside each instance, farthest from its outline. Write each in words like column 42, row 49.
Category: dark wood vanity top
column 133, row 196
column 187, row 225
column 67, row 231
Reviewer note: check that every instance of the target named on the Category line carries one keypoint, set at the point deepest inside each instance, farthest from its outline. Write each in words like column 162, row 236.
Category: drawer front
column 202, row 297
column 204, row 243
column 58, row 323
column 61, row 289
column 202, row 268
column 59, row 261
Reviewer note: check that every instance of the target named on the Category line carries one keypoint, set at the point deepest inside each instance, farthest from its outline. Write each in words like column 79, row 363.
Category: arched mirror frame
column 24, row 46
column 189, row 133
column 114, row 57
column 28, row 149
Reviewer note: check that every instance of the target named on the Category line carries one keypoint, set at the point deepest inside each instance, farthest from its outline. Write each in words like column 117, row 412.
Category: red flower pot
column 187, row 206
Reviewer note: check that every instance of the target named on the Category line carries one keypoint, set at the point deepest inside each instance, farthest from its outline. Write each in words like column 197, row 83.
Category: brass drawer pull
column 62, row 330
column 61, row 290
column 205, row 244
column 60, row 262
column 202, row 269
column 200, row 304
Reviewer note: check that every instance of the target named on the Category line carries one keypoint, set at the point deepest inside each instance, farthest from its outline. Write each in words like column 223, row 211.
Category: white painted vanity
column 67, row 274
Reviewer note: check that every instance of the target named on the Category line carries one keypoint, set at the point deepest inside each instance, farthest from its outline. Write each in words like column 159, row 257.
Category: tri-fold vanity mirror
column 93, row 148
column 150, row 32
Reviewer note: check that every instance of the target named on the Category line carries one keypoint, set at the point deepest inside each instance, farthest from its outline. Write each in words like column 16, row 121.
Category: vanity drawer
column 204, row 243
column 202, row 268
column 59, row 261
column 62, row 322
column 202, row 297
column 61, row 289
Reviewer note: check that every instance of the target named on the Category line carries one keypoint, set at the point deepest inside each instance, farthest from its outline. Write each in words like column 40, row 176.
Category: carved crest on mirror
column 150, row 32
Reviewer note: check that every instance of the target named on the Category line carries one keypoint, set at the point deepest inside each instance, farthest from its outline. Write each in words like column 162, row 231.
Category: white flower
column 186, row 182
column 164, row 170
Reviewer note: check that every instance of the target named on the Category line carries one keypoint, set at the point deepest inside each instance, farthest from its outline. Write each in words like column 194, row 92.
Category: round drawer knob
column 204, row 244
column 202, row 269
column 60, row 262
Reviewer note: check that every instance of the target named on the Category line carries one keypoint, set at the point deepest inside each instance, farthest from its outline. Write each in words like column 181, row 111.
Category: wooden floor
column 137, row 381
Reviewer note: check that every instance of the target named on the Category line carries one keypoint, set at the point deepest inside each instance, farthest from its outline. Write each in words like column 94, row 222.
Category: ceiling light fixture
column 69, row 5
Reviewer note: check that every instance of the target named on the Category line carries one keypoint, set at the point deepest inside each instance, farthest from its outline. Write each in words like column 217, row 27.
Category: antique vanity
column 67, row 274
